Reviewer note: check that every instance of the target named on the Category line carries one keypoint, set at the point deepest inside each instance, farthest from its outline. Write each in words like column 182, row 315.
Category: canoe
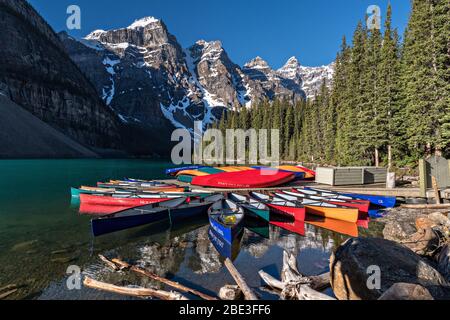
column 257, row 226
column 227, row 219
column 308, row 174
column 225, row 249
column 323, row 208
column 122, row 201
column 235, row 169
column 362, row 206
column 135, row 217
column 281, row 206
column 251, row 206
column 382, row 201
column 174, row 171
column 251, row 179
column 194, row 208
column 99, row 210
column 294, row 226
column 193, row 173
column 338, row 226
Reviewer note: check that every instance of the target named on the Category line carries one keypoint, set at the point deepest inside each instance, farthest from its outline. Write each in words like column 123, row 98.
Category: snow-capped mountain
column 147, row 78
column 309, row 78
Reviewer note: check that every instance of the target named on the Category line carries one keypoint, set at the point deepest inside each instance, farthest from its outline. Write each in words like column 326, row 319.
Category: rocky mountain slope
column 147, row 78
column 37, row 74
column 23, row 135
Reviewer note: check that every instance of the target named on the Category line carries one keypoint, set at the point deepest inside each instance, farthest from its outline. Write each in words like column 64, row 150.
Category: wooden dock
column 379, row 189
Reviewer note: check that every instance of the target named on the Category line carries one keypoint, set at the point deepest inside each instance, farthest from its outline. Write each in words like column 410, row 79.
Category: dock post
column 423, row 178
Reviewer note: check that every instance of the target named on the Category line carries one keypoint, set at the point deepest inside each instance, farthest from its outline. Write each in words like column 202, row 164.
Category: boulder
column 440, row 219
column 406, row 291
column 444, row 262
column 352, row 265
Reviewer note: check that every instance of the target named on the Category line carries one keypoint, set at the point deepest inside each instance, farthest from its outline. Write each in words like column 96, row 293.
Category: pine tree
column 339, row 95
column 423, row 99
column 389, row 132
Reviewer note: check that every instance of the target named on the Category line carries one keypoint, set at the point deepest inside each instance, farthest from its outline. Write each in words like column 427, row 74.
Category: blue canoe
column 219, row 214
column 225, row 249
column 381, row 201
column 174, row 171
column 298, row 175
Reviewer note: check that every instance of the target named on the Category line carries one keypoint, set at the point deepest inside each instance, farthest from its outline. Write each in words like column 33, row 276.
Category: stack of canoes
column 240, row 177
column 119, row 205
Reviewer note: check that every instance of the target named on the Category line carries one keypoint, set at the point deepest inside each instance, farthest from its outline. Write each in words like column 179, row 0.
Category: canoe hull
column 296, row 213
column 180, row 215
column 119, row 202
column 344, row 214
column 256, row 213
column 251, row 179
column 382, row 201
column 225, row 249
column 114, row 224
column 227, row 233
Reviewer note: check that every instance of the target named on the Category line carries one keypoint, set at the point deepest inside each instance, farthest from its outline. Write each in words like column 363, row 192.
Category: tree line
column 388, row 103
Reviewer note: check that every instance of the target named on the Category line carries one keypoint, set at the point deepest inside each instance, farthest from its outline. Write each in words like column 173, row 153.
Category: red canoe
column 250, row 179
column 362, row 205
column 128, row 203
column 281, row 206
column 100, row 210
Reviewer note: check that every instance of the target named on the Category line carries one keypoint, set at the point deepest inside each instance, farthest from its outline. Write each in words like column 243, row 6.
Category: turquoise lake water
column 41, row 234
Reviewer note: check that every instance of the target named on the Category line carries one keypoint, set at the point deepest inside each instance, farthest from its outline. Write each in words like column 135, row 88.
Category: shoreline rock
column 351, row 264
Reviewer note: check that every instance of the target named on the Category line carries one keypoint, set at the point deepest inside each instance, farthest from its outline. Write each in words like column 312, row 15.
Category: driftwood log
column 123, row 265
column 7, row 294
column 110, row 264
column 295, row 286
column 426, row 206
column 437, row 194
column 246, row 290
column 133, row 292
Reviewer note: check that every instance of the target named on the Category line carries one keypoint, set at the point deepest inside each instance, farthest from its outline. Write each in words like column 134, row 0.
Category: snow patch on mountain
column 144, row 22
column 109, row 92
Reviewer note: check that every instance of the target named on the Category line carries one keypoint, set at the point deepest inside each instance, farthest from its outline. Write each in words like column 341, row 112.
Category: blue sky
column 275, row 30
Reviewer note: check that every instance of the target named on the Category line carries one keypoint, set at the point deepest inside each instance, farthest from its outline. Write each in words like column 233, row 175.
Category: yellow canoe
column 342, row 214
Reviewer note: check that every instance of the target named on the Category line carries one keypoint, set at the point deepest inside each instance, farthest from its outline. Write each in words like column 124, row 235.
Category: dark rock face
column 23, row 135
column 39, row 76
column 349, row 269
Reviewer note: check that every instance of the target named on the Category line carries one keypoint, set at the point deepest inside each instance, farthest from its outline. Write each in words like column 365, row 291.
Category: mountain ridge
column 187, row 84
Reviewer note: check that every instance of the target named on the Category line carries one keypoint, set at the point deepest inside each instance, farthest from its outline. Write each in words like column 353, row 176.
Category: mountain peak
column 95, row 35
column 143, row 22
column 257, row 63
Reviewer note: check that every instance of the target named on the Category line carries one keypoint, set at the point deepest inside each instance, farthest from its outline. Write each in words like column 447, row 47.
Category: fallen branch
column 133, row 292
column 426, row 206
column 110, row 264
column 7, row 294
column 248, row 292
column 173, row 284
column 9, row 287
